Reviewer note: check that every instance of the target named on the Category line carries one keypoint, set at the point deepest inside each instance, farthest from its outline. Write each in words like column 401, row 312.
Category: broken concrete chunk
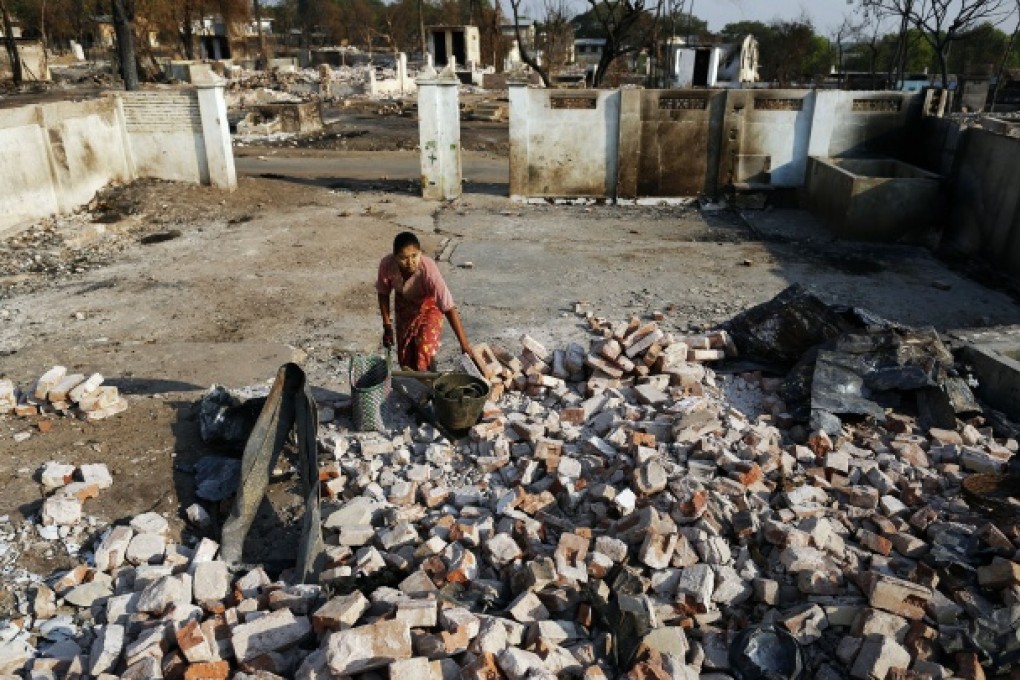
column 270, row 633
column 366, row 647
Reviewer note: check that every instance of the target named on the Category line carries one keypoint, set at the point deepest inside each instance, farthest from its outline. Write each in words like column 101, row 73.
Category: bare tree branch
column 942, row 22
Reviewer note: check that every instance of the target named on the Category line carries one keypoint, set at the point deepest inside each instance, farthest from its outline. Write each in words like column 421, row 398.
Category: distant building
column 15, row 28
column 106, row 36
column 32, row 56
column 588, row 50
column 527, row 27
column 462, row 43
column 712, row 65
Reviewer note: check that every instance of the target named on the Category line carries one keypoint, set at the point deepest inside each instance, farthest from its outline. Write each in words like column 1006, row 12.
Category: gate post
column 212, row 108
column 439, row 134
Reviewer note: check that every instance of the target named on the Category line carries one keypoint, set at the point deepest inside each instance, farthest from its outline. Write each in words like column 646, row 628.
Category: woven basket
column 370, row 387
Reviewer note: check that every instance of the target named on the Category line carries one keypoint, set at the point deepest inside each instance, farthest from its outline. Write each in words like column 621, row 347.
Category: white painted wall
column 55, row 157
column 563, row 152
column 26, row 188
column 570, row 152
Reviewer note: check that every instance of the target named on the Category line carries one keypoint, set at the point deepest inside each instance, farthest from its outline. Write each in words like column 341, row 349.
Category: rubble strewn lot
column 617, row 511
column 613, row 514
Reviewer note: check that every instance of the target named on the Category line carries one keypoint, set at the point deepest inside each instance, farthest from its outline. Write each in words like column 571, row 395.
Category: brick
column 367, row 647
column 483, row 667
column 570, row 556
column 193, row 643
column 806, row 623
column 86, row 387
column 650, row 478
column 165, row 592
column 112, row 549
column 657, row 550
column 874, row 622
column 454, row 619
column 48, row 380
column 415, row 668
column 527, row 608
column 146, row 549
column 877, row 657
column 1000, row 573
column 421, row 613
column 60, row 390
column 211, row 583
column 210, row 670
column 150, row 523
column 270, row 633
column 874, row 542
column 145, row 668
column 696, row 585
column 61, row 511
column 519, row 664
column 55, row 475
column 502, row 549
column 897, row 596
column 106, row 649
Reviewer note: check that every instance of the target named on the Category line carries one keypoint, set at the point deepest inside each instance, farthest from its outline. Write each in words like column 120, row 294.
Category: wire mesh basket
column 370, row 387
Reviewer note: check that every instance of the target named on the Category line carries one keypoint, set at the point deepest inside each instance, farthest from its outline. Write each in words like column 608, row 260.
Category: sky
column 825, row 15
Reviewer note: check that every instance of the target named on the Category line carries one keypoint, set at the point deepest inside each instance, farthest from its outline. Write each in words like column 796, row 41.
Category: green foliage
column 980, row 51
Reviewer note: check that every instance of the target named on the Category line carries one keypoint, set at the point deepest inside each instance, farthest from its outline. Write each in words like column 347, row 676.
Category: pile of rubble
column 58, row 392
column 611, row 516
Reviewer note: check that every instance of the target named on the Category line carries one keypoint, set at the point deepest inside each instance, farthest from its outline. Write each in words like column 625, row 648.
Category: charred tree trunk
column 12, row 46
column 263, row 58
column 124, row 29
column 421, row 29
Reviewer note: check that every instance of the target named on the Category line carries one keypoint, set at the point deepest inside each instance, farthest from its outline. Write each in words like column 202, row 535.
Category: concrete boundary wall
column 563, row 143
column 665, row 142
column 55, row 157
column 984, row 219
column 686, row 142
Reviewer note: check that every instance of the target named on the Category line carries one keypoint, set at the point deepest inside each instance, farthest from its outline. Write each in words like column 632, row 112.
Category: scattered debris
column 614, row 513
column 57, row 392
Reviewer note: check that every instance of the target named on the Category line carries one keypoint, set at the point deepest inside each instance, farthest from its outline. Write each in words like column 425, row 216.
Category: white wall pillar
column 219, row 155
column 402, row 71
column 439, row 131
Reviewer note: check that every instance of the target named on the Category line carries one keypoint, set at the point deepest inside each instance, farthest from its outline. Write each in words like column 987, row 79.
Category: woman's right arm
column 384, row 311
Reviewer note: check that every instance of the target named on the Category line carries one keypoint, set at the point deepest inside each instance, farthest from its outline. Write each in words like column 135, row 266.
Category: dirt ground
column 167, row 288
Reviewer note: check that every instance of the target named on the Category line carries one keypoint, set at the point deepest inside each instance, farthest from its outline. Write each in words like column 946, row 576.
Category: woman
column 422, row 299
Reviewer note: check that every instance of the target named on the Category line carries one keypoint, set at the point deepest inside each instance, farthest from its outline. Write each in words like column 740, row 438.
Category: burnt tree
column 124, row 30
column 12, row 46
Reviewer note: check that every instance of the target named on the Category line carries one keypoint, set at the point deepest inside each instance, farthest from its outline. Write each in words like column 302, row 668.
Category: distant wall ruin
column 637, row 143
column 56, row 156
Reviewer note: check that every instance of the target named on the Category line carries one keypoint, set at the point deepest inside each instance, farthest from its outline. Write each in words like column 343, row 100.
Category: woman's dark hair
column 404, row 239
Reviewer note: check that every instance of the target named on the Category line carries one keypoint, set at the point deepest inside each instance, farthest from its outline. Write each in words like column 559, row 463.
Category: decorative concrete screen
column 165, row 128
column 765, row 137
column 865, row 123
column 563, row 143
column 668, row 141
